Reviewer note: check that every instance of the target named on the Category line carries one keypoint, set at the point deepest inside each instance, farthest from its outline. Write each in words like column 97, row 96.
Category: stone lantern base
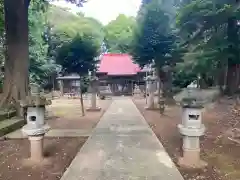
column 92, row 109
column 150, row 102
column 36, row 148
column 191, row 147
column 36, row 137
column 150, row 108
column 191, row 159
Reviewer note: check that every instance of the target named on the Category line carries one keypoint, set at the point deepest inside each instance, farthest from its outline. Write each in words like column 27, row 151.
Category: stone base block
column 30, row 162
column 91, row 109
column 138, row 96
column 191, row 160
column 150, row 108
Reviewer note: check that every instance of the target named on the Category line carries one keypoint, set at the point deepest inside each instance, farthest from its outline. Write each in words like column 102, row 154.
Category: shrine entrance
column 122, row 86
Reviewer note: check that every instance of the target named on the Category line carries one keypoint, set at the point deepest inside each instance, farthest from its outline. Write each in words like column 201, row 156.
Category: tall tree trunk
column 232, row 32
column 159, row 86
column 238, row 77
column 202, row 81
column 167, row 86
column 232, row 80
column 221, row 78
column 15, row 85
column 81, row 98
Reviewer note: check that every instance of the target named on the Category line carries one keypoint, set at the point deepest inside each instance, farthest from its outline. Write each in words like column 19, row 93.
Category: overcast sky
column 104, row 10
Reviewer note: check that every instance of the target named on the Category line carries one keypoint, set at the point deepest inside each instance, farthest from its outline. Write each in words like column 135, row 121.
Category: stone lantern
column 94, row 83
column 151, row 82
column 137, row 93
column 191, row 128
column 36, row 127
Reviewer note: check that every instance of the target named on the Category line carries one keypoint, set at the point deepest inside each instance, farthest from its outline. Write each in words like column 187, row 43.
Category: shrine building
column 119, row 71
column 115, row 70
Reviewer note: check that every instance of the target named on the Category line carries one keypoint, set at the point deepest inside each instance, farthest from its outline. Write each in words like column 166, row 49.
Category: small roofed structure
column 69, row 84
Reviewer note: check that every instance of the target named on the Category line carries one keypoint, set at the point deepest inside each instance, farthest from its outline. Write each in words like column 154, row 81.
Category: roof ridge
column 118, row 64
column 116, row 54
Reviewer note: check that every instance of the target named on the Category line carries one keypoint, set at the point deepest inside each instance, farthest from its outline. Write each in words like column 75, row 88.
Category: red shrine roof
column 118, row 64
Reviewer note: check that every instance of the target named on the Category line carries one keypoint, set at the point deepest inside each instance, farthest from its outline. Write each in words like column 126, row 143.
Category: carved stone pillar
column 61, row 87
column 94, row 89
column 150, row 80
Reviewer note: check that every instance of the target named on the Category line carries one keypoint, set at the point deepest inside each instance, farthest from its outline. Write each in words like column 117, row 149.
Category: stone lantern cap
column 35, row 101
column 191, row 102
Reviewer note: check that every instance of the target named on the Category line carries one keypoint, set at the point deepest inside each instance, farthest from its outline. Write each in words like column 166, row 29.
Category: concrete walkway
column 122, row 147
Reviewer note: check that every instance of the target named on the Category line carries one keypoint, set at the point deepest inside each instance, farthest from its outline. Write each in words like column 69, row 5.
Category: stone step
column 7, row 114
column 10, row 125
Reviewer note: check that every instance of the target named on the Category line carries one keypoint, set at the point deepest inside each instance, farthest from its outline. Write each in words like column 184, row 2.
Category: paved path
column 122, row 147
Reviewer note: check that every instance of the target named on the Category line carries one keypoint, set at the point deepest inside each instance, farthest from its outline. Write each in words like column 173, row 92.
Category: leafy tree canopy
column 71, row 24
column 210, row 29
column 41, row 67
column 1, row 17
column 77, row 2
column 153, row 37
column 118, row 34
column 78, row 55
column 61, row 31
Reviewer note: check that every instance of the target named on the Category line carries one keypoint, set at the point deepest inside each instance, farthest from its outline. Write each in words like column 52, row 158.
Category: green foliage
column 146, row 1
column 78, row 55
column 40, row 66
column 210, row 30
column 1, row 17
column 2, row 38
column 118, row 34
column 70, row 24
column 77, row 2
column 153, row 37
column 62, row 30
